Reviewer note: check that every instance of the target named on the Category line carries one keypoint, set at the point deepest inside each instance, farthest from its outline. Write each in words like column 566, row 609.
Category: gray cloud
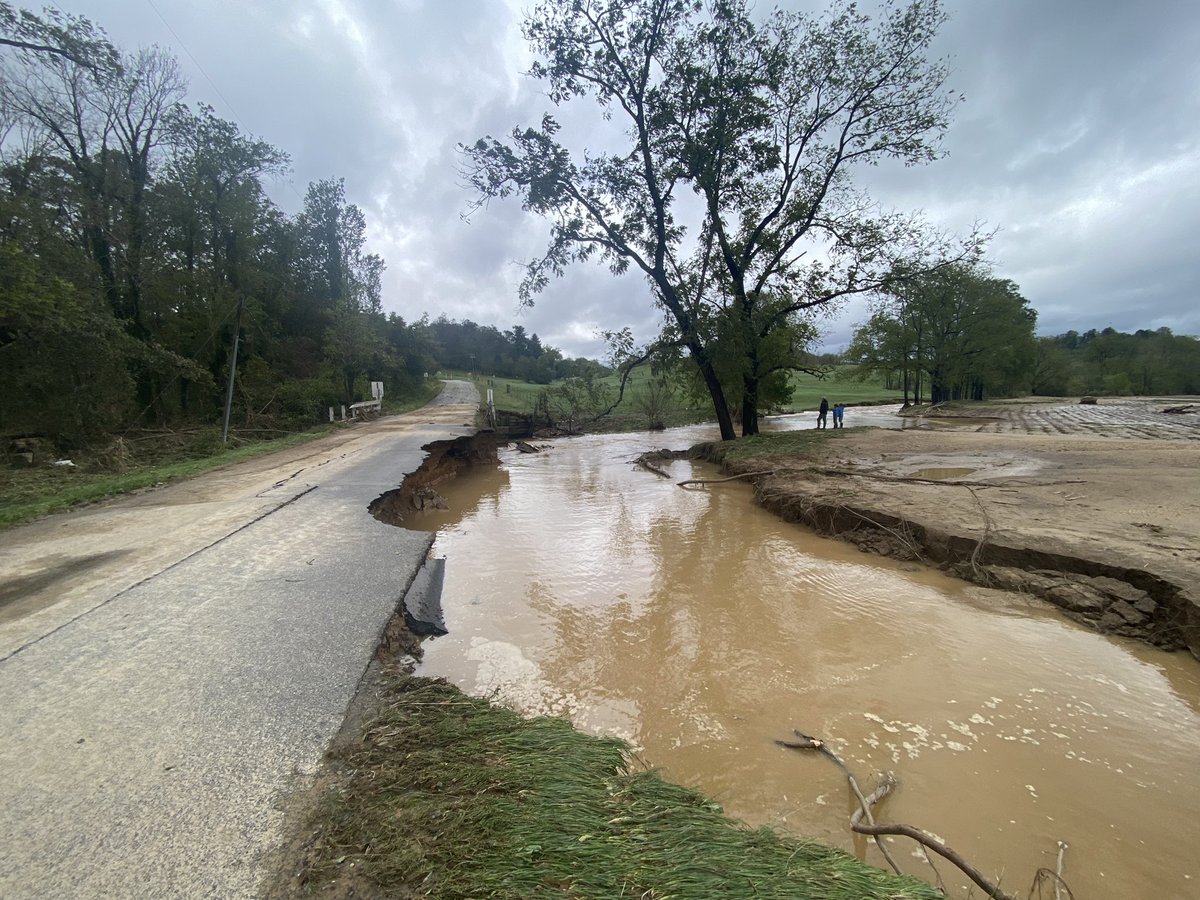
column 1078, row 140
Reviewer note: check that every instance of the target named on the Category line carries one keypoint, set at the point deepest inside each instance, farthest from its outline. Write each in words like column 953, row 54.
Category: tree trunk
column 750, row 408
column 720, row 407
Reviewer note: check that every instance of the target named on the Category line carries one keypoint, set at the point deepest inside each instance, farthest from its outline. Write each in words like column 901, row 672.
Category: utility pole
column 237, row 334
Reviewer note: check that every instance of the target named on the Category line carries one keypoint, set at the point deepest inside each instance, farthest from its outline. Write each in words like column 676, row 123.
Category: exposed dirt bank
column 445, row 460
column 1107, row 528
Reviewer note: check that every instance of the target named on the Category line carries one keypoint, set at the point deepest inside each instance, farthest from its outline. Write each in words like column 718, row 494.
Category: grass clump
column 761, row 450
column 448, row 796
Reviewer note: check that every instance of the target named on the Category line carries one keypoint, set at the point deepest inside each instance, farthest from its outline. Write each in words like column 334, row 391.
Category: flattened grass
column 448, row 796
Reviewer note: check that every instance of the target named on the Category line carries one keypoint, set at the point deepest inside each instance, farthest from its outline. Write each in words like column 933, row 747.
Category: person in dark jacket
column 822, row 413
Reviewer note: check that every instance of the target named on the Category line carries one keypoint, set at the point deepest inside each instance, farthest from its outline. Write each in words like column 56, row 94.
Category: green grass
column 30, row 493
column 448, row 796
column 515, row 396
column 839, row 386
column 511, row 394
column 430, row 388
column 27, row 494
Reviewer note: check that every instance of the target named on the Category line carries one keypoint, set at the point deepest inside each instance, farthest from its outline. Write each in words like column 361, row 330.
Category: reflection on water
column 700, row 628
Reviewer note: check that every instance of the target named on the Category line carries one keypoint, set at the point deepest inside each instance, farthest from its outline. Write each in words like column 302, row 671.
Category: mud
column 20, row 596
column 445, row 460
column 1107, row 530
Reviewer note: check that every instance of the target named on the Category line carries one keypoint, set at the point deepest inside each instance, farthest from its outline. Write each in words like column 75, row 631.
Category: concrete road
column 173, row 665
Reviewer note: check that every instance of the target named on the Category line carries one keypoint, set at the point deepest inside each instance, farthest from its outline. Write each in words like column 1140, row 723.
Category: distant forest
column 1115, row 363
column 1102, row 363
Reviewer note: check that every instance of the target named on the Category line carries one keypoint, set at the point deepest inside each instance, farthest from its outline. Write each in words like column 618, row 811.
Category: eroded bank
column 700, row 628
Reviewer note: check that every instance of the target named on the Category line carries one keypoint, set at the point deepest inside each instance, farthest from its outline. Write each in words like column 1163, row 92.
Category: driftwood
column 887, row 784
column 1186, row 408
column 911, row 479
column 644, row 462
column 526, row 448
column 864, row 803
column 723, row 480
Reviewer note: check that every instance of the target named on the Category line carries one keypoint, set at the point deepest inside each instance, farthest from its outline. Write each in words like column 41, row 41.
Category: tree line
column 514, row 353
column 136, row 238
column 960, row 334
column 1112, row 362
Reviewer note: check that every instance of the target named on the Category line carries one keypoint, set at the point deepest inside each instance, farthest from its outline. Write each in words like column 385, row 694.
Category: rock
column 1010, row 578
column 1078, row 598
column 1111, row 622
column 1120, row 590
column 1126, row 612
column 427, row 498
column 1088, row 401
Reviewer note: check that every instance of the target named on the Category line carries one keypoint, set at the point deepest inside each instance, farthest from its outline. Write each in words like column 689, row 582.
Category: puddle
column 700, row 628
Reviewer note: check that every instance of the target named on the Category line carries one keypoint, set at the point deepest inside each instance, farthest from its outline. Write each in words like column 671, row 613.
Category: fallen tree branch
column 644, row 462
column 723, row 480
column 865, row 803
column 887, row 783
column 912, row 479
column 906, row 539
column 987, row 531
column 904, row 479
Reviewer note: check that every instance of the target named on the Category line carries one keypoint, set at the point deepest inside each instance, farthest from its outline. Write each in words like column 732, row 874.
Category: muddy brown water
column 700, row 628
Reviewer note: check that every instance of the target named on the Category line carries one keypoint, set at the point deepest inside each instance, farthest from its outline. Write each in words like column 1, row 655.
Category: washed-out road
column 173, row 665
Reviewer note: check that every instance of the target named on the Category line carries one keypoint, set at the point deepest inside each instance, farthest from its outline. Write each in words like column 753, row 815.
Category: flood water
column 700, row 628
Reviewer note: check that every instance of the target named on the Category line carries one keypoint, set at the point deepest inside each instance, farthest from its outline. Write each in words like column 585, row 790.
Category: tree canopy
column 955, row 332
column 136, row 235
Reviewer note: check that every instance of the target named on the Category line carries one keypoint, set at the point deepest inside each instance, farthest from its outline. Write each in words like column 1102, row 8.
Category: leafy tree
column 966, row 333
column 56, row 33
column 1050, row 373
column 763, row 122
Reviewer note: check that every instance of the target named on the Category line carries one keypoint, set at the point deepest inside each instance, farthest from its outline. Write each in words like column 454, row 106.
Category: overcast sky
column 1079, row 140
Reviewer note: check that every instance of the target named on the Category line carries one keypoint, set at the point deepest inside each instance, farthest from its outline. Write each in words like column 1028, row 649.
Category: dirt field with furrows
column 1121, row 417
column 1093, row 508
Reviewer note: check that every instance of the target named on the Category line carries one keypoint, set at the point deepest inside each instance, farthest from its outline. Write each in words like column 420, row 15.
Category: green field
column 839, row 386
